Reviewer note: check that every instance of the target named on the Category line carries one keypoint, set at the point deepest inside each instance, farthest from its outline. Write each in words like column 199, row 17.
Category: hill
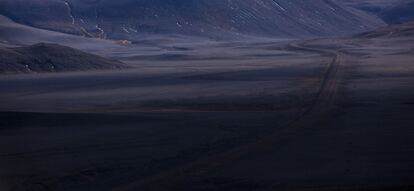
column 51, row 58
column 12, row 33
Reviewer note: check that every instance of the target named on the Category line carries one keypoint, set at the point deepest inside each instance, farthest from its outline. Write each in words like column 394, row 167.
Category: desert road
column 326, row 95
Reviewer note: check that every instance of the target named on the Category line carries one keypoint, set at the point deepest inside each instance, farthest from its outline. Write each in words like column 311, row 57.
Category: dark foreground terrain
column 327, row 114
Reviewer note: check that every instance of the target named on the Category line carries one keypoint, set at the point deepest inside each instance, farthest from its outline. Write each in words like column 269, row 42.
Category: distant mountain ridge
column 400, row 13
column 390, row 11
column 372, row 6
column 130, row 19
column 399, row 30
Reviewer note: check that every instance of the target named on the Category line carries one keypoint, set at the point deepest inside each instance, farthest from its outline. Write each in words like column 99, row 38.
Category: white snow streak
column 279, row 6
column 125, row 29
column 70, row 11
column 102, row 32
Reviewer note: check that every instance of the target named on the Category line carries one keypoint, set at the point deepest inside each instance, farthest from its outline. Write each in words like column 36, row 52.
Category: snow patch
column 70, row 12
column 278, row 5
column 102, row 32
column 125, row 29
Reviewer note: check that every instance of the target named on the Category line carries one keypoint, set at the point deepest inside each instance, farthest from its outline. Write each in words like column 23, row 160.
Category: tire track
column 319, row 109
column 326, row 95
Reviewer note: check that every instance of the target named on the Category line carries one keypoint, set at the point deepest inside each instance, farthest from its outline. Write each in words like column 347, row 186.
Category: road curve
column 328, row 87
column 319, row 109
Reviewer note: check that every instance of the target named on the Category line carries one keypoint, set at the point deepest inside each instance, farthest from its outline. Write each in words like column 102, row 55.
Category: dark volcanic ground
column 327, row 114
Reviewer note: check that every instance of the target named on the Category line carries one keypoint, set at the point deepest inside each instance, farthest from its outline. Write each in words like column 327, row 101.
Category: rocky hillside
column 130, row 19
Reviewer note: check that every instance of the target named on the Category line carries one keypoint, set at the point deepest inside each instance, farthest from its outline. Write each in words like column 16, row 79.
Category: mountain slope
column 391, row 11
column 129, row 19
column 400, row 30
column 373, row 6
column 12, row 34
column 51, row 58
column 399, row 13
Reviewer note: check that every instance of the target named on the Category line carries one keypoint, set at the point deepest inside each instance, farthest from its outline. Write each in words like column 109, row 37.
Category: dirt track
column 321, row 106
column 305, row 116
column 336, row 144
